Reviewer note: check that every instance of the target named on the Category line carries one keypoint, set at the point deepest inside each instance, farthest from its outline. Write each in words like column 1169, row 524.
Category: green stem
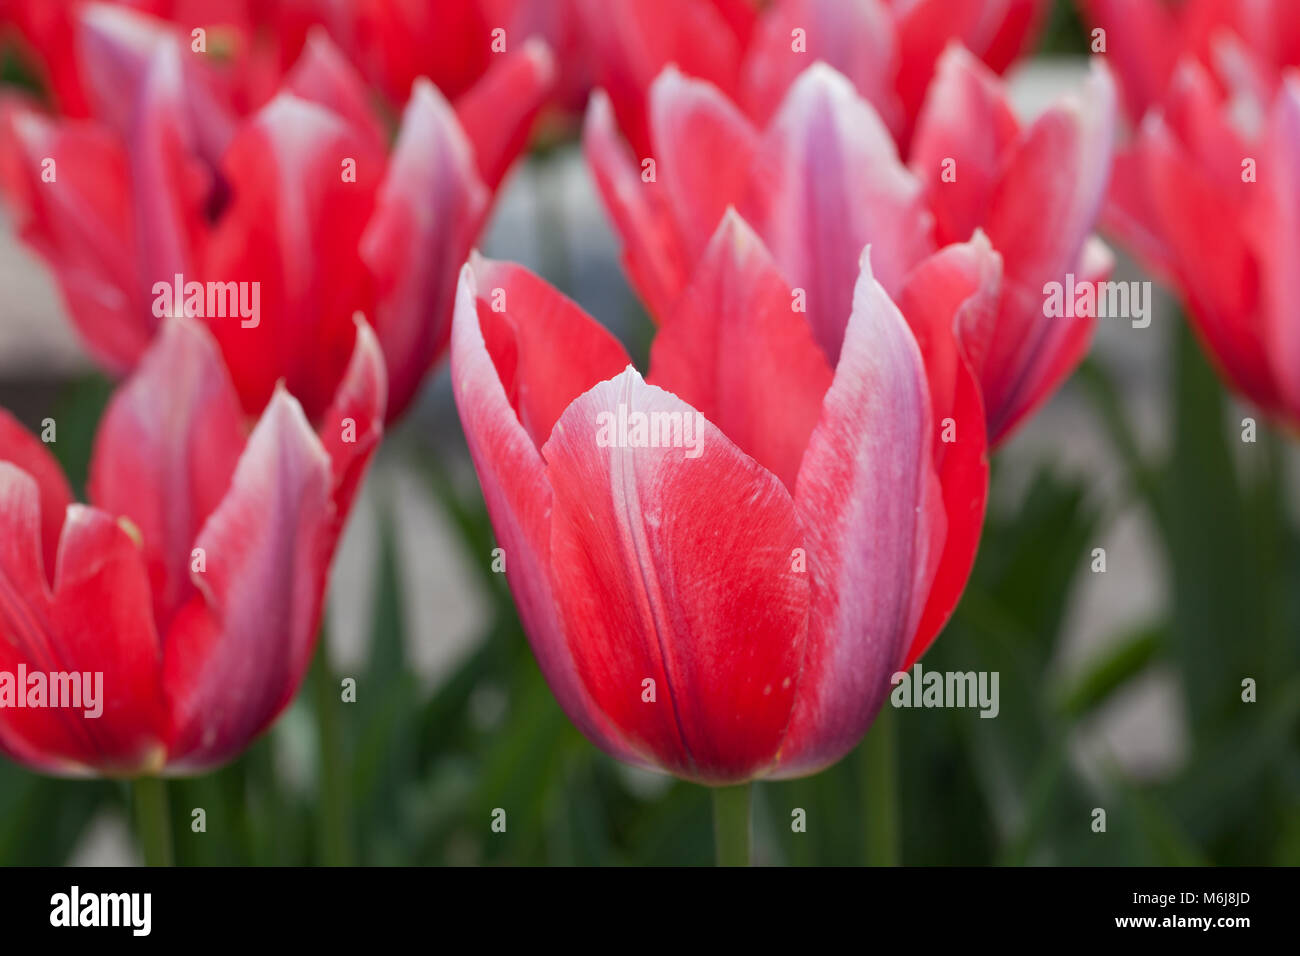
column 152, row 821
column 731, row 824
column 880, row 784
column 335, row 844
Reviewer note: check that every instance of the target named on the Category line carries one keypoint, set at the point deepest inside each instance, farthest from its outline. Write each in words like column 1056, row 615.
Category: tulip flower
column 1035, row 191
column 631, row 42
column 823, row 179
column 251, row 42
column 721, row 566
column 1146, row 40
column 887, row 48
column 455, row 44
column 1208, row 195
column 191, row 584
column 297, row 207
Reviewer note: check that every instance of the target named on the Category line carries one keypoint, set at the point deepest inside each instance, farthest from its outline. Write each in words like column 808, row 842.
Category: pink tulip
column 1035, row 191
column 823, row 179
column 1146, row 39
column 192, row 582
column 1208, row 195
column 298, row 201
column 728, row 600
column 886, row 48
column 251, row 42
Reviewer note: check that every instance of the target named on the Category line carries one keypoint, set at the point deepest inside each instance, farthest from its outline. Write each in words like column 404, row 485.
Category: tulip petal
column 857, row 39
column 20, row 447
column 291, row 232
column 956, row 286
column 45, row 27
column 869, row 503
column 351, row 428
column 1015, row 31
column 1061, row 350
column 429, row 210
column 1041, row 214
column 1215, row 262
column 828, row 182
column 675, row 565
column 124, row 52
column 962, row 137
column 1128, row 215
column 323, row 75
column 102, row 617
column 135, row 65
column 513, row 478
column 735, row 350
column 556, row 351
column 634, row 40
column 236, row 653
column 165, row 451
column 653, row 256
column 1142, row 40
column 925, row 28
column 448, row 41
column 498, row 111
column 1277, row 240
column 703, row 149
column 81, row 224
column 95, row 618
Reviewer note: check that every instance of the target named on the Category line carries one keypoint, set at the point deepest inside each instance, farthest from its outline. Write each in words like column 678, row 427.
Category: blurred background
column 1120, row 689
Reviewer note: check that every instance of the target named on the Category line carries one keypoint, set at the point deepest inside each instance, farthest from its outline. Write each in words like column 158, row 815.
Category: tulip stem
column 152, row 820
column 880, row 785
column 335, row 845
column 731, row 824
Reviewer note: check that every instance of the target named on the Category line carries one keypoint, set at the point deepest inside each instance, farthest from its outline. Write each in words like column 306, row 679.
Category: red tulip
column 251, row 42
column 1208, row 196
column 632, row 41
column 1146, row 39
column 298, row 202
column 1036, row 192
column 192, row 582
column 43, row 26
column 887, row 49
column 823, row 179
column 727, row 595
column 454, row 43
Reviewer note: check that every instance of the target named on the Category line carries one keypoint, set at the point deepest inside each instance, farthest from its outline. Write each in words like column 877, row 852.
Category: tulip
column 1146, row 39
column 631, row 42
column 1035, row 192
column 823, row 178
column 192, row 581
column 297, row 204
column 887, row 48
column 720, row 567
column 1208, row 195
column 250, row 42
column 455, row 44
